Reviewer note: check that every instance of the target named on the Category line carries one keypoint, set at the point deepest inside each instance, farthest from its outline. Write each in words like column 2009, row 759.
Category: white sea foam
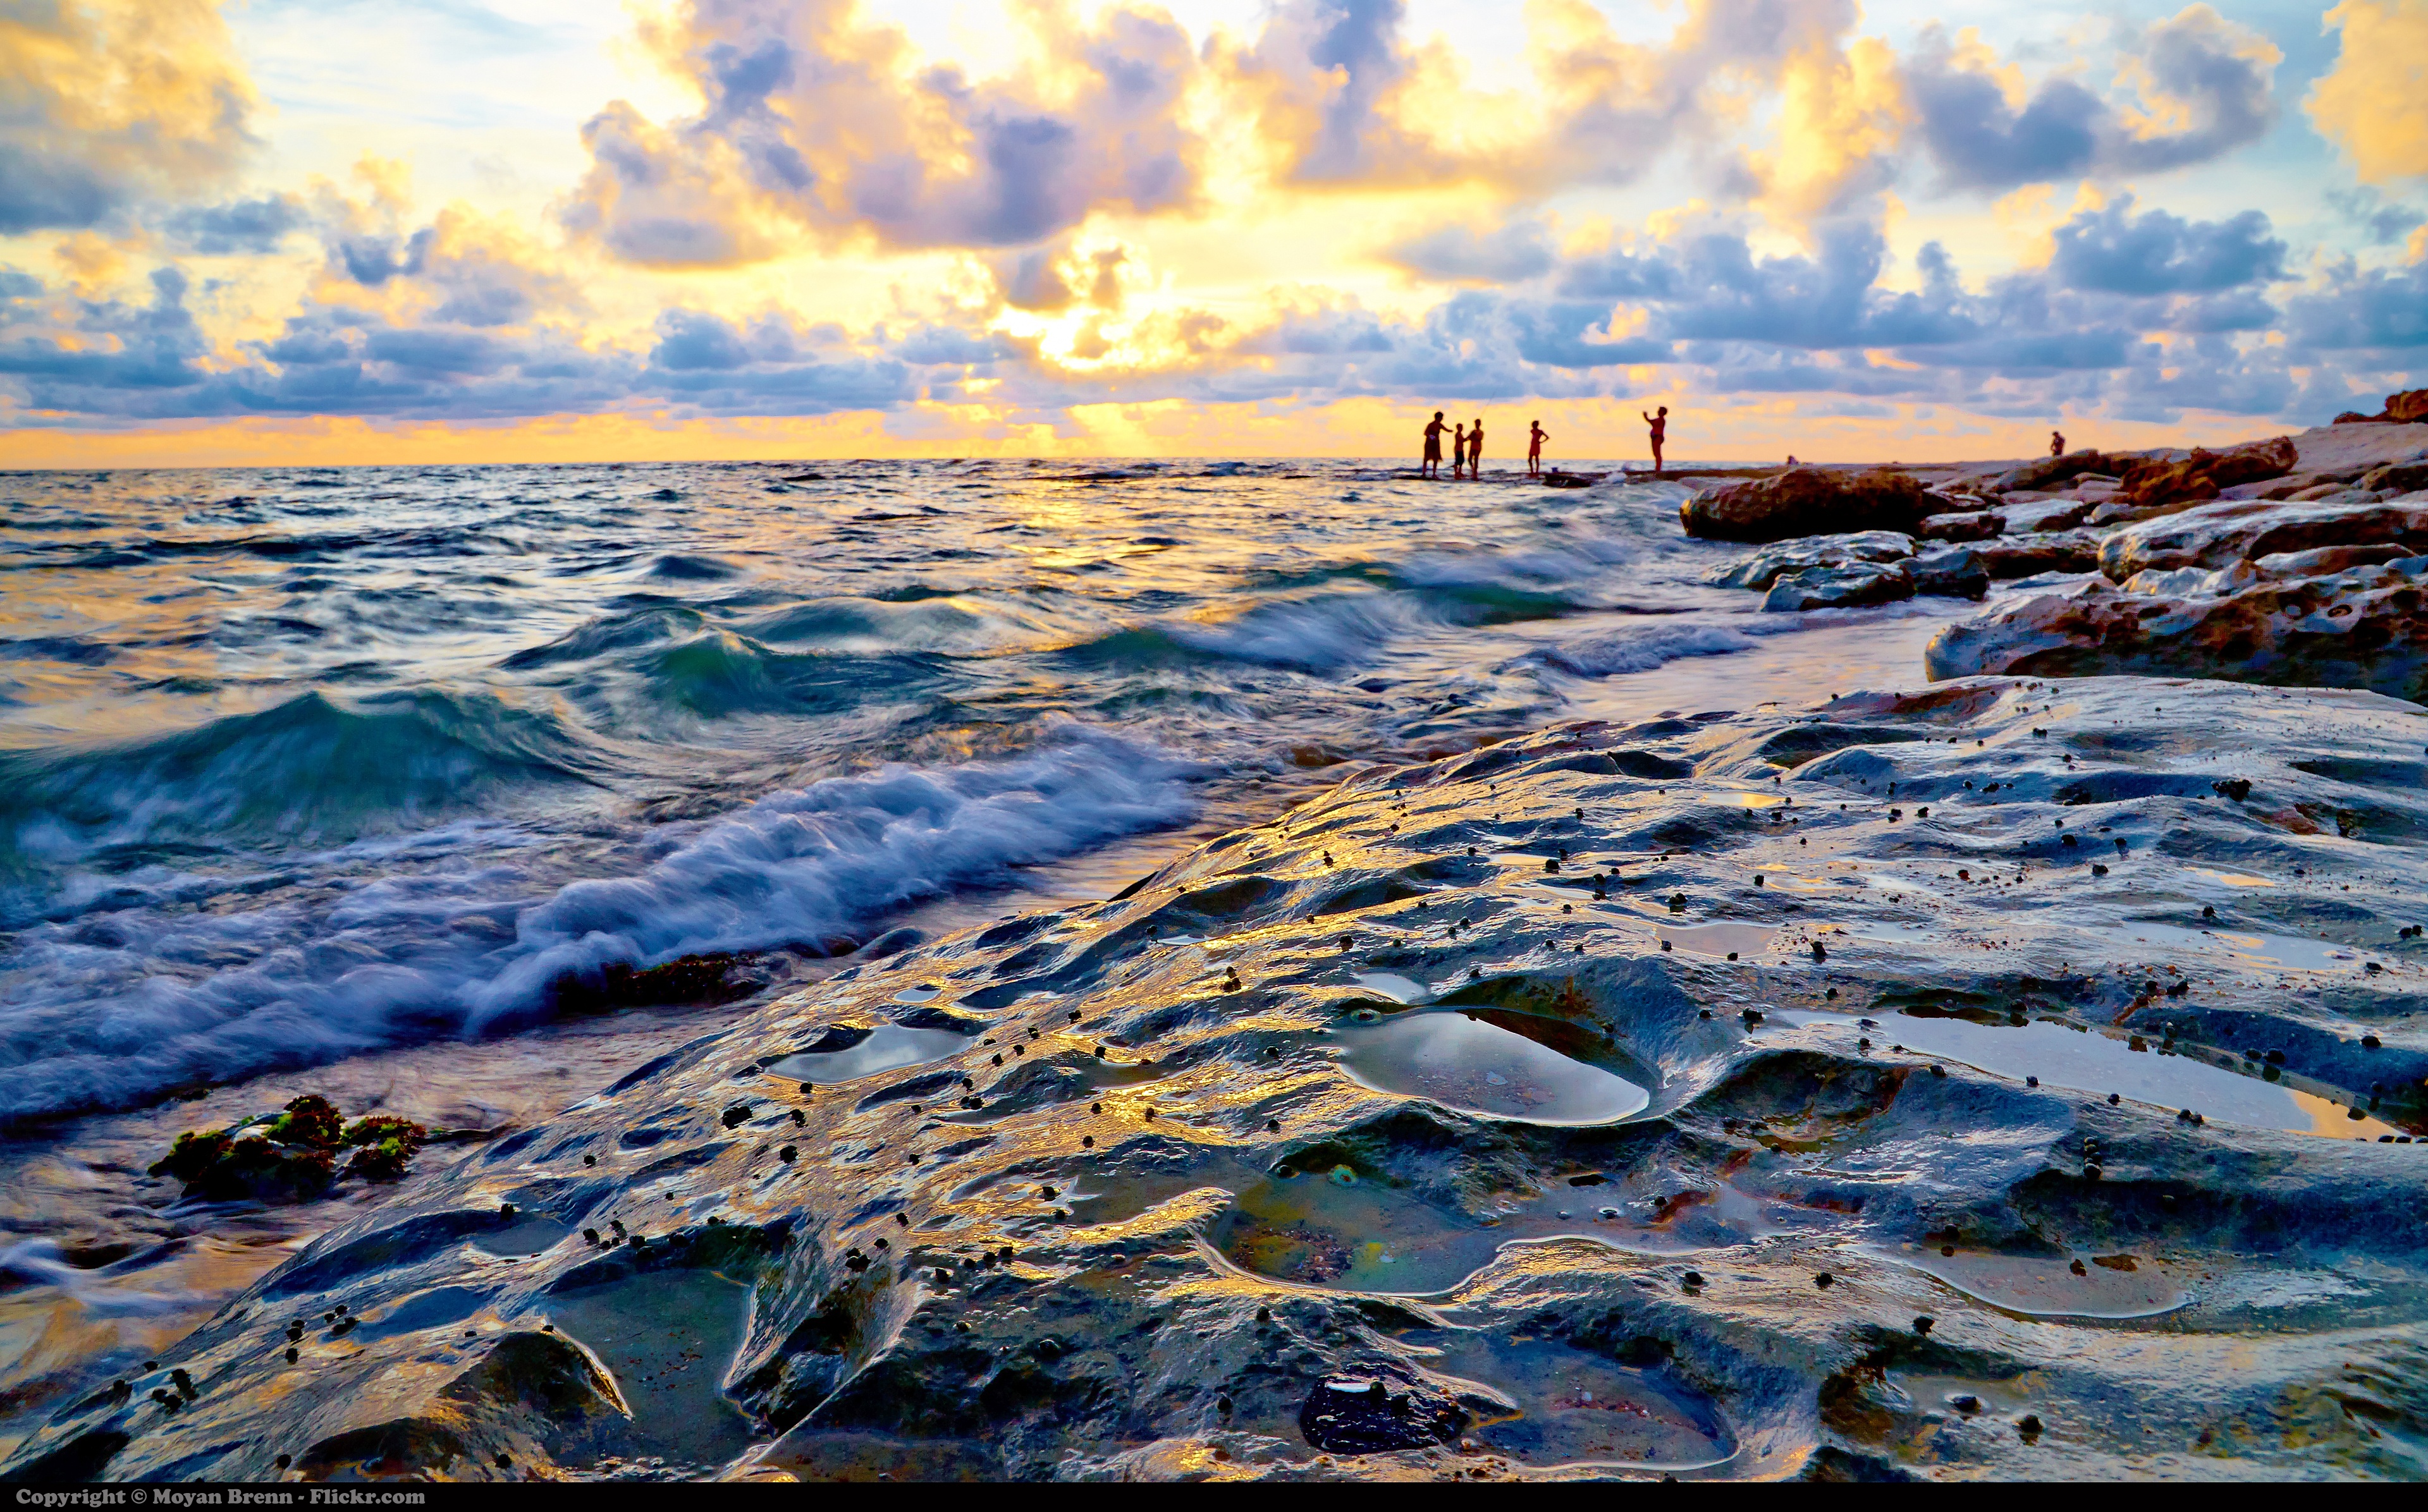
column 144, row 990
column 1641, row 650
column 42, row 1261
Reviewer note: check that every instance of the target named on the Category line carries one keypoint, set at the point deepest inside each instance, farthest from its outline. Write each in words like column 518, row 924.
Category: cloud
column 2381, row 308
column 1326, row 76
column 1342, row 100
column 1045, row 280
column 2373, row 104
column 2201, row 87
column 1514, row 252
column 818, row 122
column 104, row 103
column 2114, row 251
column 2382, row 221
column 254, row 226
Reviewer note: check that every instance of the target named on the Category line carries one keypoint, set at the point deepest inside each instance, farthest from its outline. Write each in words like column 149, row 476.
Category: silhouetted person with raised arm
column 1475, row 450
column 1431, row 467
column 1536, row 436
column 1660, row 424
column 2057, row 442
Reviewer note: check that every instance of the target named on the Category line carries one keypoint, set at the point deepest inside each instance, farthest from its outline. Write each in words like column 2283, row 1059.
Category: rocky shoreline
column 1985, row 1036
column 2297, row 560
column 2022, row 1074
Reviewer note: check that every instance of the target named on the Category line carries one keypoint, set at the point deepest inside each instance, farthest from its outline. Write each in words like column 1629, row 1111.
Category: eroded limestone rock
column 1766, row 566
column 2362, row 628
column 1175, row 1231
column 1804, row 501
column 2216, row 534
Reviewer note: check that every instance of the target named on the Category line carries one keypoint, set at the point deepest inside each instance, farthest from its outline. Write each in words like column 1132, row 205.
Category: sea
column 299, row 766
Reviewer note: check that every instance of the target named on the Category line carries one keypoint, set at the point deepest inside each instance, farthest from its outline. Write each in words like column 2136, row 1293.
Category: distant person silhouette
column 1536, row 436
column 1791, row 459
column 1459, row 453
column 1431, row 467
column 1660, row 424
column 2057, row 442
column 1475, row 450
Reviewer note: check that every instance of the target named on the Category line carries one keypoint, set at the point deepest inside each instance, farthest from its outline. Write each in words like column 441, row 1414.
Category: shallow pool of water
column 2086, row 1060
column 1721, row 939
column 1395, row 988
column 886, row 1047
column 2116, row 1287
column 1464, row 1062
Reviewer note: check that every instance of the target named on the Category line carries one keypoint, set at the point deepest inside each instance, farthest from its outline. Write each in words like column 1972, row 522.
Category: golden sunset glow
column 517, row 230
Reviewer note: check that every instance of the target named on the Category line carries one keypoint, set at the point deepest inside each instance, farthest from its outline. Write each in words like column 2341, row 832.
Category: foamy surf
column 458, row 931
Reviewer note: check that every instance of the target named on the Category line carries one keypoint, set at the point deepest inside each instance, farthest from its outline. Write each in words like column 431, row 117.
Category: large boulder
column 1808, row 501
column 1951, row 572
column 2344, row 452
column 1956, row 572
column 2049, row 472
column 2397, row 478
column 1972, row 525
column 2214, row 535
column 2201, row 475
column 1766, row 566
column 1851, row 585
column 2028, row 512
column 2410, row 407
column 2363, row 628
column 2029, row 555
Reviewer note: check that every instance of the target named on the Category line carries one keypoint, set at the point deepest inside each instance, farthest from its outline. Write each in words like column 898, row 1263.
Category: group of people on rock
column 1466, row 445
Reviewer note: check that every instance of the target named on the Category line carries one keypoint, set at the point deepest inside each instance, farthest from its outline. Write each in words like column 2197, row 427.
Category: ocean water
column 297, row 764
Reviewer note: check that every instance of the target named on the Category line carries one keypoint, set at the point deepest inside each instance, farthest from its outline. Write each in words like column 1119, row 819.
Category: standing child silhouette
column 1536, row 436
column 1475, row 450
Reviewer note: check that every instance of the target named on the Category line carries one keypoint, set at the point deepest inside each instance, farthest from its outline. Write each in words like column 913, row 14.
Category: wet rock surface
column 1766, row 566
column 1804, row 501
column 2032, row 1082
column 1948, row 572
column 2217, row 534
column 2364, row 626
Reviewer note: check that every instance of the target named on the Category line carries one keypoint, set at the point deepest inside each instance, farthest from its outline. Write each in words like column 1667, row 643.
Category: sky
column 243, row 232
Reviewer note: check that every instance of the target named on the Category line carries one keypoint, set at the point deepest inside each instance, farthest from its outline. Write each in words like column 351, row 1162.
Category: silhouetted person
column 1660, row 424
column 1536, row 436
column 1431, row 467
column 2057, row 444
column 1459, row 453
column 1475, row 450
